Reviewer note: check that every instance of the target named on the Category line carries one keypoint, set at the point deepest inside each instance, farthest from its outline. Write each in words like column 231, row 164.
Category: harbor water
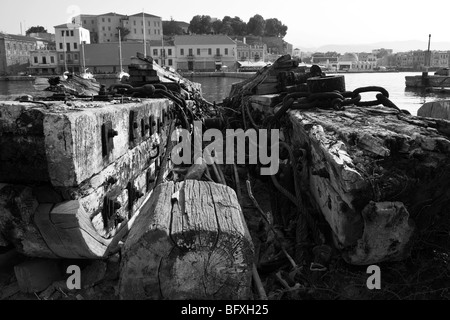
column 218, row 88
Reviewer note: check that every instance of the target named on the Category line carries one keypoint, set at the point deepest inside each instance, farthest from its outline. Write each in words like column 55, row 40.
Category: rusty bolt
column 112, row 133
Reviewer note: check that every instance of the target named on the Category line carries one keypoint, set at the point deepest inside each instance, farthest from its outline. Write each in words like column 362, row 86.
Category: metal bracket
column 133, row 195
column 152, row 124
column 110, row 207
column 145, row 128
column 108, row 134
column 134, row 126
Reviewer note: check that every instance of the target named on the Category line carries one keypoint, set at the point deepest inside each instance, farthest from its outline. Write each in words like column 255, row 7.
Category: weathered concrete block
column 37, row 275
column 437, row 109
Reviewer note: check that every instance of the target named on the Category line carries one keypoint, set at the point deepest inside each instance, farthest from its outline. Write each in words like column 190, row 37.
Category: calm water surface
column 216, row 89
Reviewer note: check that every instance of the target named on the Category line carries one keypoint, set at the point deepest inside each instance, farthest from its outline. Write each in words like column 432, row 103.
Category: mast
column 163, row 53
column 145, row 42
column 84, row 58
column 64, row 48
column 429, row 53
column 120, row 52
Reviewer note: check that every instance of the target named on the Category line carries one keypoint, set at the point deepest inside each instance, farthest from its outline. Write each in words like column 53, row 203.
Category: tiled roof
column 17, row 37
column 157, row 43
column 146, row 15
column 111, row 14
column 66, row 25
column 203, row 40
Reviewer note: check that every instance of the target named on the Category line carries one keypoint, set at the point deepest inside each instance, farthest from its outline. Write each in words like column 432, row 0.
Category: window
column 226, row 51
column 62, row 33
column 135, row 31
column 68, row 46
column 93, row 22
column 44, row 60
column 191, row 52
column 154, row 23
column 163, row 53
column 142, row 23
column 170, row 52
column 181, row 52
column 71, row 33
column 155, row 52
column 210, row 52
column 52, row 59
column 109, row 28
column 75, row 46
column 103, row 19
column 142, row 31
column 75, row 56
column 170, row 62
column 67, row 33
column 218, row 51
column 35, row 59
column 61, row 57
column 103, row 28
column 134, row 22
column 109, row 19
column 198, row 52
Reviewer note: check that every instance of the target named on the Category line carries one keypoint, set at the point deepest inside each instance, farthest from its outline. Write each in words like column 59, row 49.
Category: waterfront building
column 251, row 52
column 104, row 27
column 15, row 53
column 205, row 53
column 70, row 39
column 153, row 27
column 366, row 61
column 44, row 60
column 107, row 25
column 328, row 60
column 416, row 60
column 90, row 22
column 164, row 54
column 347, row 62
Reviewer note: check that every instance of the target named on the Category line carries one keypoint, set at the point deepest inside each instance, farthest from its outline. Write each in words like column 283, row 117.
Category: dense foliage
column 256, row 26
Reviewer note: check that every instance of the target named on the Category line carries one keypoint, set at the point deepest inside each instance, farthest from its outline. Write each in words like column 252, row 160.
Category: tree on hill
column 172, row 28
column 274, row 28
column 123, row 32
column 217, row 26
column 200, row 25
column 239, row 26
column 36, row 29
column 256, row 25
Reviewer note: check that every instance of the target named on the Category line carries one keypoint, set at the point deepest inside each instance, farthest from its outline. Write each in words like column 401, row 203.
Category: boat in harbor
column 440, row 79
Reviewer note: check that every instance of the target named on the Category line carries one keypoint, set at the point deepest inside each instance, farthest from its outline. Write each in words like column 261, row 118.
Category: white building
column 104, row 27
column 69, row 40
column 153, row 27
column 205, row 52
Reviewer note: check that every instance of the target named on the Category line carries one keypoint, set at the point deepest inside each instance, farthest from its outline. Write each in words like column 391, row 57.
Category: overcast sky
column 311, row 23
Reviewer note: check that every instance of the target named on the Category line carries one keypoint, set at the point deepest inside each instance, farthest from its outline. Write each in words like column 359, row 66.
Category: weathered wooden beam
column 63, row 144
column 190, row 242
column 377, row 155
